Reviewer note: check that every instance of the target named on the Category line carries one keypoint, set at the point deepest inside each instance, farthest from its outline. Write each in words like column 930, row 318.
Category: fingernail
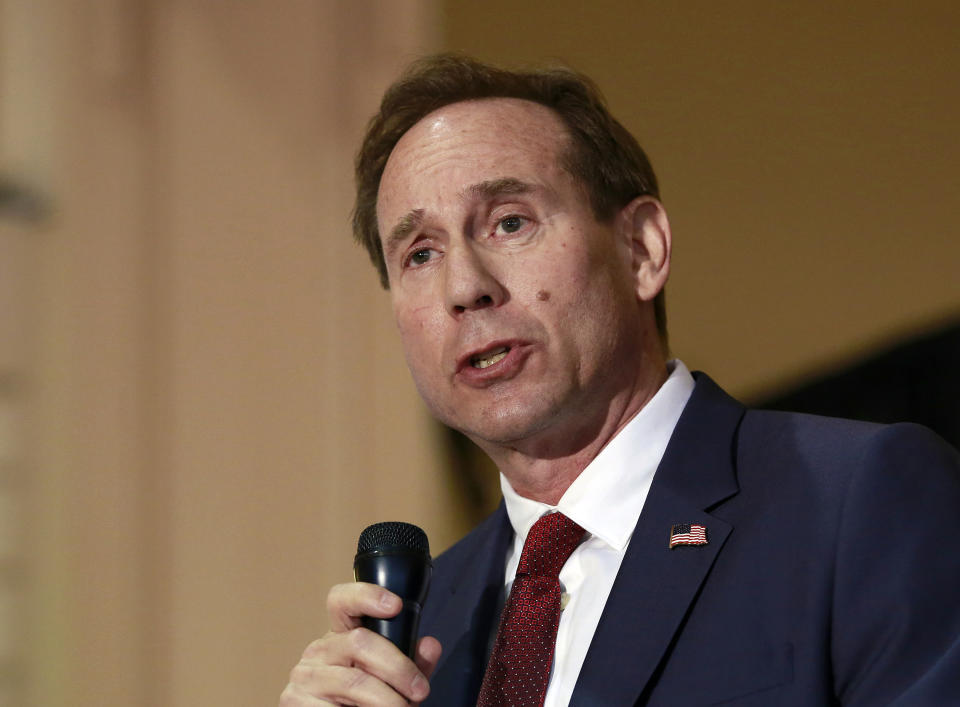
column 388, row 601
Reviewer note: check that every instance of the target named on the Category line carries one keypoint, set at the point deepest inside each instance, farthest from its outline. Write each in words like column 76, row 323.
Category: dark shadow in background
column 917, row 380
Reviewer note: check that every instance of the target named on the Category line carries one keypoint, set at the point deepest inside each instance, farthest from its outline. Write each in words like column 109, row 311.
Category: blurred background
column 202, row 399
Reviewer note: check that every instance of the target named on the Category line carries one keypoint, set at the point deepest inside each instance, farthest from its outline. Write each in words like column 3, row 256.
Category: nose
column 469, row 283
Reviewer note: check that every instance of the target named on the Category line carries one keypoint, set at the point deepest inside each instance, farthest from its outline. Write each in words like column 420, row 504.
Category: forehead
column 464, row 143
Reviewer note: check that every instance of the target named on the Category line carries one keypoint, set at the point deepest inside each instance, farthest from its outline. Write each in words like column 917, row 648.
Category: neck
column 543, row 467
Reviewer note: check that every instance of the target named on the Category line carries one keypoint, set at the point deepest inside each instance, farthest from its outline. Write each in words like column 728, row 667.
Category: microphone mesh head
column 393, row 535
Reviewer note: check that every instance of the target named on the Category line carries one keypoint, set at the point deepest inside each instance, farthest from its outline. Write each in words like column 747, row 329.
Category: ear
column 647, row 232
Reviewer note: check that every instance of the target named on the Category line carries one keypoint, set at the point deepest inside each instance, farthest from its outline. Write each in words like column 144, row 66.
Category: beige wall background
column 217, row 403
column 213, row 401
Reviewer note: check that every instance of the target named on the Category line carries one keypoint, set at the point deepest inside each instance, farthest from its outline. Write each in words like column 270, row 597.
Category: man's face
column 517, row 309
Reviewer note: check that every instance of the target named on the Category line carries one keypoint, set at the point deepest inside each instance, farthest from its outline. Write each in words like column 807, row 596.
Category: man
column 721, row 555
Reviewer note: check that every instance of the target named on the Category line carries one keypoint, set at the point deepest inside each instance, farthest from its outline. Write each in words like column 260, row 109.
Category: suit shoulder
column 839, row 441
column 829, row 456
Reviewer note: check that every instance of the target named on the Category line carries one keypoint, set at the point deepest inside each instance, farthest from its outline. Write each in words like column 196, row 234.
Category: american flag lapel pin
column 687, row 534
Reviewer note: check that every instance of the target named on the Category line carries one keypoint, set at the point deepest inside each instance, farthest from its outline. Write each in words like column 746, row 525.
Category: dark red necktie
column 519, row 666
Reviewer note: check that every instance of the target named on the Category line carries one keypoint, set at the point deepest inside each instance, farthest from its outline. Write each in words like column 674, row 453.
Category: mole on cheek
column 543, row 295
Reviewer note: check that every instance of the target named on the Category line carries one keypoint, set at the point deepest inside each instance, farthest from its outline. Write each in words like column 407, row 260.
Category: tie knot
column 549, row 544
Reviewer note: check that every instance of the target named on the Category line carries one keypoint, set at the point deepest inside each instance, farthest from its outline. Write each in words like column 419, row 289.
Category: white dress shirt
column 606, row 500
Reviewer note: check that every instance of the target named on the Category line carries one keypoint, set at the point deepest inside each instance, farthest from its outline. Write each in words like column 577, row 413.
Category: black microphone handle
column 401, row 630
column 406, row 574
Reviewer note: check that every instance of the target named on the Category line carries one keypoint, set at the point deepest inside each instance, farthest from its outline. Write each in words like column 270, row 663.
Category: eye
column 511, row 224
column 419, row 257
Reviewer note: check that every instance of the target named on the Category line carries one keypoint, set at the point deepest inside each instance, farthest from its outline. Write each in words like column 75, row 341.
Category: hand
column 354, row 666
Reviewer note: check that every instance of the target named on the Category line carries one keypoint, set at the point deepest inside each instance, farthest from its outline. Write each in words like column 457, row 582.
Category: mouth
column 488, row 358
column 501, row 361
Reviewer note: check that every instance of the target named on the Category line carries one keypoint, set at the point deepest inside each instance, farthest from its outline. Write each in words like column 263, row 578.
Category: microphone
column 396, row 556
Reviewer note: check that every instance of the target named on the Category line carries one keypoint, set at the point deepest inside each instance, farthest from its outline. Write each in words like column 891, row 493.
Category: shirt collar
column 608, row 495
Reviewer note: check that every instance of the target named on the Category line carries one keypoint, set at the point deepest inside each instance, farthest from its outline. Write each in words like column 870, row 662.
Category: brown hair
column 602, row 154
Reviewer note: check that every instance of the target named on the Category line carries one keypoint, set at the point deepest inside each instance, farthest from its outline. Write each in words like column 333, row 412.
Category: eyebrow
column 488, row 189
column 407, row 224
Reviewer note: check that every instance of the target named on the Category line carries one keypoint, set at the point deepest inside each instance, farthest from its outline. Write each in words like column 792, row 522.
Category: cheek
column 565, row 268
column 591, row 303
column 419, row 336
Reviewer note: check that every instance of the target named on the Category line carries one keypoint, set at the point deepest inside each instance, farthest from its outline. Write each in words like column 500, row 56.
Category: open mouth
column 488, row 358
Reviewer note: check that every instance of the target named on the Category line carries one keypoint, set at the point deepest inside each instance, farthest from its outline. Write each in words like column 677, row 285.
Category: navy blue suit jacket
column 831, row 576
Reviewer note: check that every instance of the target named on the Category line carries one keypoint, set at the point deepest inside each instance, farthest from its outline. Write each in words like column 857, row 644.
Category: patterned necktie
column 519, row 666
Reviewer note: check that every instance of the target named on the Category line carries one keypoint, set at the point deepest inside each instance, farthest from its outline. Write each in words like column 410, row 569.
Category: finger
column 295, row 696
column 348, row 603
column 364, row 650
column 428, row 655
column 339, row 684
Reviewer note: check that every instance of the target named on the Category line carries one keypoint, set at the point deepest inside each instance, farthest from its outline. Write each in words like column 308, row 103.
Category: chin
column 505, row 426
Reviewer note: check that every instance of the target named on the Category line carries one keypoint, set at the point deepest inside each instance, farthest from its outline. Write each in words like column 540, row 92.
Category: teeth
column 489, row 358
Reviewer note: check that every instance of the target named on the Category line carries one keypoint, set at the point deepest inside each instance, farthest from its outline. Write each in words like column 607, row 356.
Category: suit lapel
column 656, row 585
column 467, row 610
